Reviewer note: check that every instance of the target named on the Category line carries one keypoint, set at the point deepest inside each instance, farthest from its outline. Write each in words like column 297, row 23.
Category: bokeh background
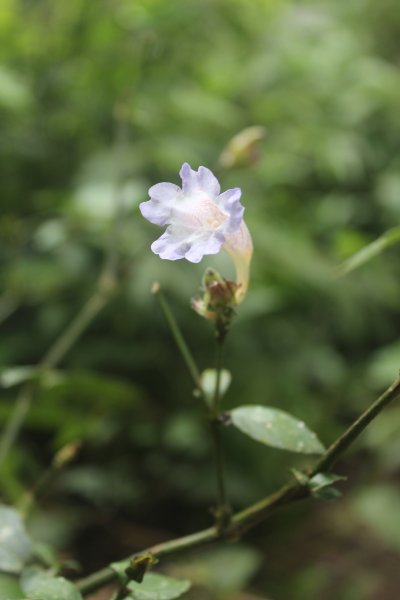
column 100, row 100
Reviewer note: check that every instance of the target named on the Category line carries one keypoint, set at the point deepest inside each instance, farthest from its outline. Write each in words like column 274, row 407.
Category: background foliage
column 323, row 80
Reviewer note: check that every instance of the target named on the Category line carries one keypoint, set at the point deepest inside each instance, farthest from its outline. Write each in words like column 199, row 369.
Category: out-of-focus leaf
column 385, row 364
column 15, row 543
column 40, row 585
column 226, row 569
column 209, row 381
column 276, row 428
column 14, row 92
column 378, row 507
column 11, row 376
column 370, row 251
column 120, row 568
column 157, row 587
column 10, row 588
column 100, row 486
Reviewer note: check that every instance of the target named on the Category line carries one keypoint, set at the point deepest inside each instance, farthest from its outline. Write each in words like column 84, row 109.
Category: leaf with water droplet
column 276, row 428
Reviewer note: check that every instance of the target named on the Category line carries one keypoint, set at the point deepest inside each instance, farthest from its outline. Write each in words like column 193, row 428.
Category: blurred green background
column 184, row 78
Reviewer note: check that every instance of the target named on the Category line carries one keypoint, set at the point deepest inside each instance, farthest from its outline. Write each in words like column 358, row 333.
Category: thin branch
column 247, row 518
column 104, row 289
column 177, row 335
column 222, row 512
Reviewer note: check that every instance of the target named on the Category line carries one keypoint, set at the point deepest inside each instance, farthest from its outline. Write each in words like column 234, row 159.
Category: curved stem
column 177, row 335
column 254, row 514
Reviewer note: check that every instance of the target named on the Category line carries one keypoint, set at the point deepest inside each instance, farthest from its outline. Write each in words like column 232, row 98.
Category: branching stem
column 254, row 514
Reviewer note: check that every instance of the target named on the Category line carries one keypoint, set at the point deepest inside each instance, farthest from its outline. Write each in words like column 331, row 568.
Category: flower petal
column 170, row 246
column 211, row 244
column 190, row 182
column 178, row 242
column 165, row 192
column 208, row 182
column 229, row 202
column 158, row 209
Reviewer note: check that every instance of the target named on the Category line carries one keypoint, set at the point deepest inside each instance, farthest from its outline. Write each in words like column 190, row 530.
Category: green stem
column 51, row 359
column 218, row 367
column 254, row 514
column 344, row 441
column 177, row 335
column 75, row 329
column 104, row 289
column 222, row 512
column 14, row 424
column 96, row 580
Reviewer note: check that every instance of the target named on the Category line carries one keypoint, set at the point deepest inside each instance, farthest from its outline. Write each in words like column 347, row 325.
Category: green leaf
column 320, row 484
column 224, row 571
column 41, row 585
column 158, row 587
column 120, row 569
column 9, row 587
column 391, row 237
column 11, row 376
column 15, row 543
column 45, row 554
column 208, row 381
column 276, row 428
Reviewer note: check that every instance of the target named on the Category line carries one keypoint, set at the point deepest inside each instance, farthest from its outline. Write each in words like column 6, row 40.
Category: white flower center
column 198, row 211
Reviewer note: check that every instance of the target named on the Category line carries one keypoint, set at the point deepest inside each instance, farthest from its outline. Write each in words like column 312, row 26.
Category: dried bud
column 66, row 454
column 243, row 148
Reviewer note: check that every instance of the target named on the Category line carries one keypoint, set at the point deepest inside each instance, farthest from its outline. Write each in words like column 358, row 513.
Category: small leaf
column 15, row 543
column 301, row 477
column 41, row 585
column 11, row 376
column 158, row 587
column 9, row 587
column 208, row 381
column 120, row 569
column 326, row 493
column 389, row 238
column 45, row 555
column 276, row 428
column 320, row 486
column 321, row 480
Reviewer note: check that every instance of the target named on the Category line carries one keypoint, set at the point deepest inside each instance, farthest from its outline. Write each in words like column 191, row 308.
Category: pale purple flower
column 200, row 220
